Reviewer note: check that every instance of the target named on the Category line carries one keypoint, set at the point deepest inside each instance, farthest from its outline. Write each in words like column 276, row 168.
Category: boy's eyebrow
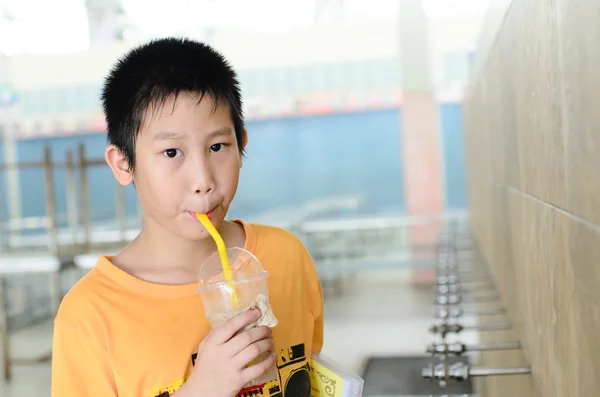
column 223, row 131
column 166, row 135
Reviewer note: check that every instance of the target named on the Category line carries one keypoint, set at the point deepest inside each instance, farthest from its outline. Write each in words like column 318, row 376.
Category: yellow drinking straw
column 222, row 254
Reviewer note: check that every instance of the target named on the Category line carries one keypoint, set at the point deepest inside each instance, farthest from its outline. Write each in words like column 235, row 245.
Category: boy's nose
column 203, row 182
column 202, row 176
column 203, row 187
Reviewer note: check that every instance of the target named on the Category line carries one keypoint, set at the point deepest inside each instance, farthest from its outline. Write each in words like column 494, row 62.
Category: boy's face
column 187, row 160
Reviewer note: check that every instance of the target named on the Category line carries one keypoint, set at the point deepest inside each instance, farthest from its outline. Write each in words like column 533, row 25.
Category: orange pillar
column 420, row 137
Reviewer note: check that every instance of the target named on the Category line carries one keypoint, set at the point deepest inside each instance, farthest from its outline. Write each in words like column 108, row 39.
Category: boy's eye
column 217, row 147
column 173, row 153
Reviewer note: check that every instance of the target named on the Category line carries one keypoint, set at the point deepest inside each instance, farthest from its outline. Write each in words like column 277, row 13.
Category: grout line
column 563, row 211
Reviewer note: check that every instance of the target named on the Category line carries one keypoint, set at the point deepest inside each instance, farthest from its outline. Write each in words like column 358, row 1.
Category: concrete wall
column 532, row 138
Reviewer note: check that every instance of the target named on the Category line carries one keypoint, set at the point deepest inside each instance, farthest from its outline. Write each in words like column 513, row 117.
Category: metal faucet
column 458, row 271
column 450, row 279
column 446, row 312
column 458, row 349
column 454, row 279
column 447, row 289
column 445, row 328
column 454, row 299
column 463, row 277
column 444, row 372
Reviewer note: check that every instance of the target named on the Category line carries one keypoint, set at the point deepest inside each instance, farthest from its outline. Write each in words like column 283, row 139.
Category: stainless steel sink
column 401, row 377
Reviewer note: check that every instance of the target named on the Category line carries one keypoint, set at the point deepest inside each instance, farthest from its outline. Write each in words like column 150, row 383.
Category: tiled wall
column 533, row 147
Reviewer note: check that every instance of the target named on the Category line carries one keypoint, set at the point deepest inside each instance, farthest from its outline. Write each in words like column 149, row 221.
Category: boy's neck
column 157, row 255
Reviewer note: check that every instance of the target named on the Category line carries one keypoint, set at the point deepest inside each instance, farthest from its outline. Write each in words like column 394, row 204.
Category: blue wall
column 454, row 156
column 288, row 162
column 298, row 159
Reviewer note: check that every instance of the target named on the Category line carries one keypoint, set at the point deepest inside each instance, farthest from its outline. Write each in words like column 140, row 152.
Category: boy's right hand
column 220, row 369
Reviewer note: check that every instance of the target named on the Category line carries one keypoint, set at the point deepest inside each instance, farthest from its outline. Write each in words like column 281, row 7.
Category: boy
column 134, row 325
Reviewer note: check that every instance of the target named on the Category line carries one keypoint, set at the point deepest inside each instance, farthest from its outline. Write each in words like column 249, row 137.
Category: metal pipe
column 483, row 371
column 494, row 346
column 454, row 267
column 454, row 312
column 483, row 311
column 460, row 372
column 480, row 298
column 489, row 326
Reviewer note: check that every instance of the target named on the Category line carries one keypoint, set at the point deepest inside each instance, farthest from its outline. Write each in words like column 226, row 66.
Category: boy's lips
column 209, row 214
column 212, row 212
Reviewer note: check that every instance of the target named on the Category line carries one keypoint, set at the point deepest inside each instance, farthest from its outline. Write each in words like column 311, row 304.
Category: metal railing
column 77, row 238
column 36, row 253
column 342, row 248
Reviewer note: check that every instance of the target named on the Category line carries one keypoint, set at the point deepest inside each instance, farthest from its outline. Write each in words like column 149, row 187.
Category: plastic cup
column 249, row 281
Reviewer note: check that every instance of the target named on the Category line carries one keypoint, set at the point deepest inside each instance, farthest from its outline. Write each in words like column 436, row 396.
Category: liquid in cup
column 250, row 284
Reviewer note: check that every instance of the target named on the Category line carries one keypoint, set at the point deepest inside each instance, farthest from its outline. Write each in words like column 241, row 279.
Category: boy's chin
column 198, row 233
column 194, row 235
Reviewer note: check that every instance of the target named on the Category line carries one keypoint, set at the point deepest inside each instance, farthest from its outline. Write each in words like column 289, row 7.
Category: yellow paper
column 324, row 382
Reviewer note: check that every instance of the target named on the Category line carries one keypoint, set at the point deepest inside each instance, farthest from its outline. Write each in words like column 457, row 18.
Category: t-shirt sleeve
column 314, row 292
column 317, row 344
column 80, row 365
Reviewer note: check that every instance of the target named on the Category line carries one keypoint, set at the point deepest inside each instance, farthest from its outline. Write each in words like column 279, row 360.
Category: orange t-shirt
column 117, row 335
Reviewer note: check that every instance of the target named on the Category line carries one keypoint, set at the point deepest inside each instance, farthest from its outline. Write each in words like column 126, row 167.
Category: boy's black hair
column 154, row 72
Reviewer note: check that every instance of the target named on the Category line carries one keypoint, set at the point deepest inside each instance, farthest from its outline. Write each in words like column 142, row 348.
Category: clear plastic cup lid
column 244, row 265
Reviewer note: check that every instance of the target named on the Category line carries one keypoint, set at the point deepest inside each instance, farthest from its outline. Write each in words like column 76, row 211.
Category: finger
column 253, row 351
column 235, row 324
column 247, row 338
column 254, row 371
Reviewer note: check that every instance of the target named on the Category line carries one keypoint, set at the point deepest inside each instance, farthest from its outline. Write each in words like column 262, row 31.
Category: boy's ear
column 244, row 143
column 119, row 165
column 244, row 139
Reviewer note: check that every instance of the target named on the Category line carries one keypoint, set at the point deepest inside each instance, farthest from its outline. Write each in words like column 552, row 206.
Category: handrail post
column 50, row 201
column 71, row 196
column 85, row 198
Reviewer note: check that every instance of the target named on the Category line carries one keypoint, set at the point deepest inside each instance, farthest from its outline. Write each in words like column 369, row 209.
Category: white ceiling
column 55, row 26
